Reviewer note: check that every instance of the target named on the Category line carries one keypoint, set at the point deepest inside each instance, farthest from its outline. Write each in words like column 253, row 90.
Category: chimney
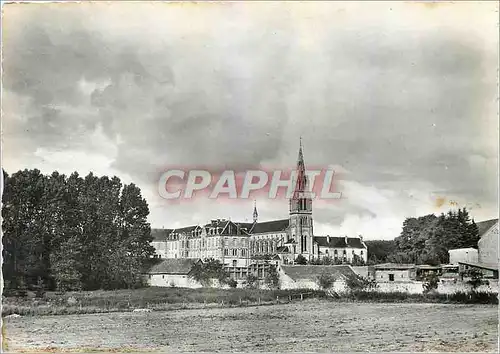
column 345, row 240
column 361, row 238
column 328, row 239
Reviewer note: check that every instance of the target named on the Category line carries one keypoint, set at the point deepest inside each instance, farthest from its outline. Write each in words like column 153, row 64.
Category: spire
column 300, row 160
column 255, row 214
column 301, row 171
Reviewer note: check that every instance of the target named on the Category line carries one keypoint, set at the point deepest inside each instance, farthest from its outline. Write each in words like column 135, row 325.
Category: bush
column 301, row 260
column 272, row 278
column 357, row 282
column 251, row 282
column 431, row 282
column 232, row 283
column 204, row 272
column 325, row 281
column 396, row 296
column 476, row 278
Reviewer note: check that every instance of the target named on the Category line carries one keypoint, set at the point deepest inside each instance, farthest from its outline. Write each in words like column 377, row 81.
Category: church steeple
column 301, row 184
column 301, row 224
column 255, row 214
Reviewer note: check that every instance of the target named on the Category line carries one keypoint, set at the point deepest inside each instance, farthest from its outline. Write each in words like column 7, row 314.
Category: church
column 242, row 246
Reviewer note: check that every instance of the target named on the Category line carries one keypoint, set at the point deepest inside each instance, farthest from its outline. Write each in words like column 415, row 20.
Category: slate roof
column 173, row 266
column 184, row 230
column 160, row 234
column 394, row 266
column 489, row 266
column 282, row 249
column 339, row 242
column 270, row 226
column 312, row 272
column 245, row 225
column 484, row 226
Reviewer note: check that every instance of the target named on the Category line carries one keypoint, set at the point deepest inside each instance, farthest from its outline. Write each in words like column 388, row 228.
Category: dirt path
column 309, row 326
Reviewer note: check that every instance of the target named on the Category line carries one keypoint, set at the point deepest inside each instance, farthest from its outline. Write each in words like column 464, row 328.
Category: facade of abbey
column 241, row 246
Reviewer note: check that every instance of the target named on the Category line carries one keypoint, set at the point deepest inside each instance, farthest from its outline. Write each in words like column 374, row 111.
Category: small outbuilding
column 489, row 270
column 173, row 273
column 394, row 272
column 463, row 255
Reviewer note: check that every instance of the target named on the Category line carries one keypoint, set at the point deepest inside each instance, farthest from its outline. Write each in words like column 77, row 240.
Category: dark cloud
column 386, row 103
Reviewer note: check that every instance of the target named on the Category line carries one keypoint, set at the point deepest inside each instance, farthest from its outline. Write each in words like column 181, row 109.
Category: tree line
column 427, row 239
column 72, row 232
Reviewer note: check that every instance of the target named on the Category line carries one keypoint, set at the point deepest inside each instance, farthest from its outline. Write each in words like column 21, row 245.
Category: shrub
column 476, row 278
column 430, row 283
column 325, row 281
column 272, row 278
column 251, row 282
column 204, row 272
column 357, row 282
column 232, row 283
column 301, row 260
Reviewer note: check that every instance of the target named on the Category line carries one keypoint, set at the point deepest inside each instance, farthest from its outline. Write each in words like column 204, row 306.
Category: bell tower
column 301, row 222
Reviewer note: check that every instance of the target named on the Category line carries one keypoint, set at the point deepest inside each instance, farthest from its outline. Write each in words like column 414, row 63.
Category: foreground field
column 308, row 326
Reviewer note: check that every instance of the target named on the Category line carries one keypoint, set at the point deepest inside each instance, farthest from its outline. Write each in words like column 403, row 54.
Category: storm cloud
column 400, row 97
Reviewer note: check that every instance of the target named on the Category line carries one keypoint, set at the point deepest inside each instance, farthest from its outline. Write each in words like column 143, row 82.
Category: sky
column 400, row 99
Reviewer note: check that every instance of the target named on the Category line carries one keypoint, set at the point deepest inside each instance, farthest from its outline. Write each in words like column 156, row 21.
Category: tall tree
column 73, row 232
column 428, row 239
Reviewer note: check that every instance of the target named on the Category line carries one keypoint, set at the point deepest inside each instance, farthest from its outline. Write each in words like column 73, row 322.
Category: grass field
column 159, row 298
column 303, row 326
column 162, row 298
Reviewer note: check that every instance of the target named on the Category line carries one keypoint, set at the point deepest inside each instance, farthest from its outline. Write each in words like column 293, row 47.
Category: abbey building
column 241, row 245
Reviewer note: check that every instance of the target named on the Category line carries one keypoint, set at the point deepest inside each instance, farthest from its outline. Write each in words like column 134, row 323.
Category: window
column 243, row 253
column 234, row 263
column 226, row 252
column 326, row 251
column 361, row 252
column 235, row 252
column 391, row 277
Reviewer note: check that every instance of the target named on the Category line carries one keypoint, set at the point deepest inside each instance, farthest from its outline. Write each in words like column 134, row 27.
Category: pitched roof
column 490, row 266
column 283, row 249
column 173, row 266
column 394, row 266
column 312, row 272
column 270, row 226
column 484, row 226
column 184, row 230
column 339, row 242
column 160, row 234
column 246, row 225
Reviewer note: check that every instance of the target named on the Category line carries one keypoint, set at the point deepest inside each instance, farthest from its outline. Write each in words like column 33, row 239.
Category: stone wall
column 287, row 282
column 447, row 287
